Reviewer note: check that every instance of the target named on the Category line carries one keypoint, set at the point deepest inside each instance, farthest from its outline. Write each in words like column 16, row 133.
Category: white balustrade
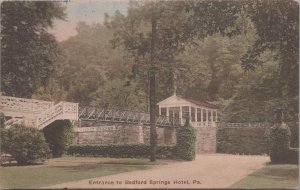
column 204, row 124
column 50, row 115
column 62, row 110
column 9, row 103
column 70, row 110
column 36, row 113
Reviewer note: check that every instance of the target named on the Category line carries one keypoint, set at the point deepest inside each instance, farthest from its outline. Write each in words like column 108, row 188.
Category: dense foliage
column 59, row 135
column 28, row 51
column 186, row 142
column 26, row 145
column 214, row 60
column 121, row 150
column 277, row 27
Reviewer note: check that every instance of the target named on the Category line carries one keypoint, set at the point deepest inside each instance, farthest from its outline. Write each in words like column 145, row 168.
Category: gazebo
column 201, row 114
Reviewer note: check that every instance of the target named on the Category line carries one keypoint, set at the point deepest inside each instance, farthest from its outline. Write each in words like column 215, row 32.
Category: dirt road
column 207, row 171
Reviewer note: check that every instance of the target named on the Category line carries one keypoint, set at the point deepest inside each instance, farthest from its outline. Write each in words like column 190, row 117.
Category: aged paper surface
column 89, row 88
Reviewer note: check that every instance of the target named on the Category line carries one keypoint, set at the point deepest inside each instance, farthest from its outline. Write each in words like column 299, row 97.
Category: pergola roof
column 176, row 100
column 202, row 104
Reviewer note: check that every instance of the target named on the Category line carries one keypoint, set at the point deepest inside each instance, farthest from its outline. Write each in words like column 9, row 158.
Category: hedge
column 293, row 156
column 186, row 142
column 122, row 150
column 242, row 140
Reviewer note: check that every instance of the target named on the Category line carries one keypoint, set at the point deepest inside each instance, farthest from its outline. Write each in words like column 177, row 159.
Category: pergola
column 201, row 114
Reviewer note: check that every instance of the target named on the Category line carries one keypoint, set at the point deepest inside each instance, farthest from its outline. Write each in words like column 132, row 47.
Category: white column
column 77, row 111
column 196, row 116
column 180, row 115
column 211, row 116
column 201, row 117
column 159, row 110
column 167, row 111
column 206, row 117
column 63, row 110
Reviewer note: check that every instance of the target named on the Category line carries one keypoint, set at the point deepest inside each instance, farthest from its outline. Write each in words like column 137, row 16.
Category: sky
column 89, row 11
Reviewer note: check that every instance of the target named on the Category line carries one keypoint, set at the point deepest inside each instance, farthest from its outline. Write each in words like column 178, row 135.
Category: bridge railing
column 23, row 104
column 49, row 115
column 244, row 125
column 62, row 110
column 70, row 110
column 117, row 115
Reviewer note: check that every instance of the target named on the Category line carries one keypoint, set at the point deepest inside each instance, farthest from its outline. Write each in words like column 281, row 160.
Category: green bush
column 186, row 139
column 279, row 139
column 26, row 145
column 59, row 135
column 4, row 140
column 294, row 127
column 2, row 120
column 293, row 156
column 121, row 150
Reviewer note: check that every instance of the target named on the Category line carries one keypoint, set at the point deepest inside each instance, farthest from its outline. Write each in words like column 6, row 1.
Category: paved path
column 207, row 171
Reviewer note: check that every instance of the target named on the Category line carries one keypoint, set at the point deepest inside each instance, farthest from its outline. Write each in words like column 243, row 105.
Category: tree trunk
column 153, row 135
column 152, row 101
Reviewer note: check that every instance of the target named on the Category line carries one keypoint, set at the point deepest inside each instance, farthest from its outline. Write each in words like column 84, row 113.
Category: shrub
column 59, row 135
column 293, row 156
column 27, row 145
column 279, row 139
column 2, row 120
column 121, row 150
column 186, row 139
column 294, row 127
column 4, row 140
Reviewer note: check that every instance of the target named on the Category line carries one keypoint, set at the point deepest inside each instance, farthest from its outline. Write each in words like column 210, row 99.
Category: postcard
column 125, row 94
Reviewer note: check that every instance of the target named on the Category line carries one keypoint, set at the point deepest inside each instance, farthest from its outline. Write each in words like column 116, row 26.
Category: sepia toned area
column 149, row 94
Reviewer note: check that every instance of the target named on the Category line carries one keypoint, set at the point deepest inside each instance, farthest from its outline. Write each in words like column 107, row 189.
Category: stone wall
column 124, row 133
column 206, row 139
column 109, row 135
column 91, row 132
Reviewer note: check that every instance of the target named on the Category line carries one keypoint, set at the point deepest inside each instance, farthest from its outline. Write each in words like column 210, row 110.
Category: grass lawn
column 277, row 176
column 66, row 169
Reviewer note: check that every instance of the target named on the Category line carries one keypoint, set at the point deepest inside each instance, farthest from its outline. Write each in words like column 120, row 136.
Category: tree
column 154, row 32
column 213, row 67
column 28, row 51
column 277, row 28
column 51, row 92
column 88, row 63
column 256, row 96
column 123, row 94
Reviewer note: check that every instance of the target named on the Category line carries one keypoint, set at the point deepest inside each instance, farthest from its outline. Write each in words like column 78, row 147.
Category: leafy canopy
column 28, row 51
